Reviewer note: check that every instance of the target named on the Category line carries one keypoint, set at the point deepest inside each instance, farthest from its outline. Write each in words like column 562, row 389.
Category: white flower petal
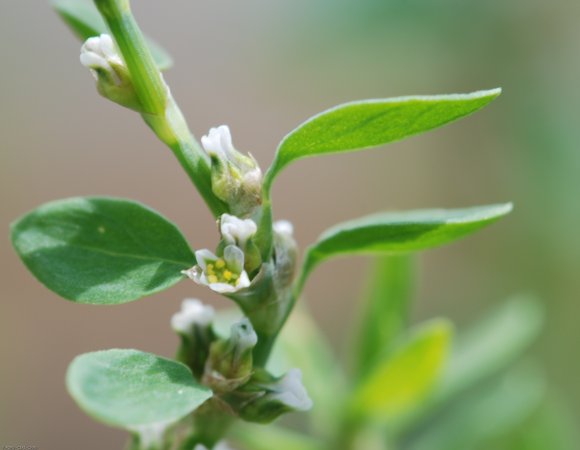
column 222, row 288
column 234, row 258
column 193, row 312
column 243, row 281
column 98, row 53
column 243, row 334
column 203, row 257
column 218, row 141
column 237, row 231
column 284, row 227
column 292, row 392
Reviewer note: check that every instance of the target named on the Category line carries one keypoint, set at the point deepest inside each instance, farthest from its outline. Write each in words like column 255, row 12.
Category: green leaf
column 492, row 345
column 404, row 379
column 483, row 351
column 552, row 427
column 101, row 250
column 399, row 232
column 386, row 309
column 85, row 21
column 366, row 124
column 258, row 437
column 493, row 410
column 131, row 389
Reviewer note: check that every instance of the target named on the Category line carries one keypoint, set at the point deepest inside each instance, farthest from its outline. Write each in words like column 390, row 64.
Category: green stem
column 264, row 238
column 211, row 424
column 146, row 78
column 172, row 129
column 161, row 112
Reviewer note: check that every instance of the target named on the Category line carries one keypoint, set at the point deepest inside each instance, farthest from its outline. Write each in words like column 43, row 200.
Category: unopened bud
column 236, row 178
column 286, row 252
column 230, row 361
column 193, row 313
column 101, row 56
column 239, row 232
column 275, row 396
column 193, row 324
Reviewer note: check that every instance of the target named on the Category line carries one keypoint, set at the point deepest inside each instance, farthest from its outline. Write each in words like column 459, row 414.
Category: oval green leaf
column 366, row 124
column 399, row 232
column 84, row 20
column 101, row 250
column 130, row 389
column 405, row 377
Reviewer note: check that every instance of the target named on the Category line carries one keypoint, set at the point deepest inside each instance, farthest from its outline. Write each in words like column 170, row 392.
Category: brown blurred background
column 262, row 67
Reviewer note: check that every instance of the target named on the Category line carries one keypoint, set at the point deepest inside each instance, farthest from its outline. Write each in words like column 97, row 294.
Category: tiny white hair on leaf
column 193, row 312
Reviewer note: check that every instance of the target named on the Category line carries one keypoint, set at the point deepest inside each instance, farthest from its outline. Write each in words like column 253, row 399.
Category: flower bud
column 236, row 178
column 193, row 324
column 239, row 232
column 285, row 252
column 274, row 396
column 230, row 361
column 101, row 56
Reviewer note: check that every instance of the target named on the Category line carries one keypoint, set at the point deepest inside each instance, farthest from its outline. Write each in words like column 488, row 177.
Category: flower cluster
column 226, row 273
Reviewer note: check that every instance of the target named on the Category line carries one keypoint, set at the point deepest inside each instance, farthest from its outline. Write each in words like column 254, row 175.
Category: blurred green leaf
column 493, row 410
column 399, row 232
column 365, row 124
column 492, row 344
column 484, row 350
column 551, row 427
column 400, row 383
column 130, row 389
column 322, row 374
column 258, row 437
column 101, row 250
column 85, row 21
column 386, row 309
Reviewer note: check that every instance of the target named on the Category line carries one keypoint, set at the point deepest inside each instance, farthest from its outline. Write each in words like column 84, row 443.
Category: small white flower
column 193, row 312
column 236, row 178
column 291, row 392
column 224, row 275
column 236, row 231
column 100, row 54
column 243, row 336
column 284, row 227
column 219, row 142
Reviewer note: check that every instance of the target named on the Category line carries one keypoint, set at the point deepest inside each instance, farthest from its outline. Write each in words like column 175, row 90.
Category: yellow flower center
column 219, row 273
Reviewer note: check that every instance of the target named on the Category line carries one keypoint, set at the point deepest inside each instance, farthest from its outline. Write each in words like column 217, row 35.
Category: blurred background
column 262, row 67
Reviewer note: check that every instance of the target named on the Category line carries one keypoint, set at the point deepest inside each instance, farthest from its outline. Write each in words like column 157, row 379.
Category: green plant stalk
column 264, row 237
column 172, row 129
column 161, row 114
